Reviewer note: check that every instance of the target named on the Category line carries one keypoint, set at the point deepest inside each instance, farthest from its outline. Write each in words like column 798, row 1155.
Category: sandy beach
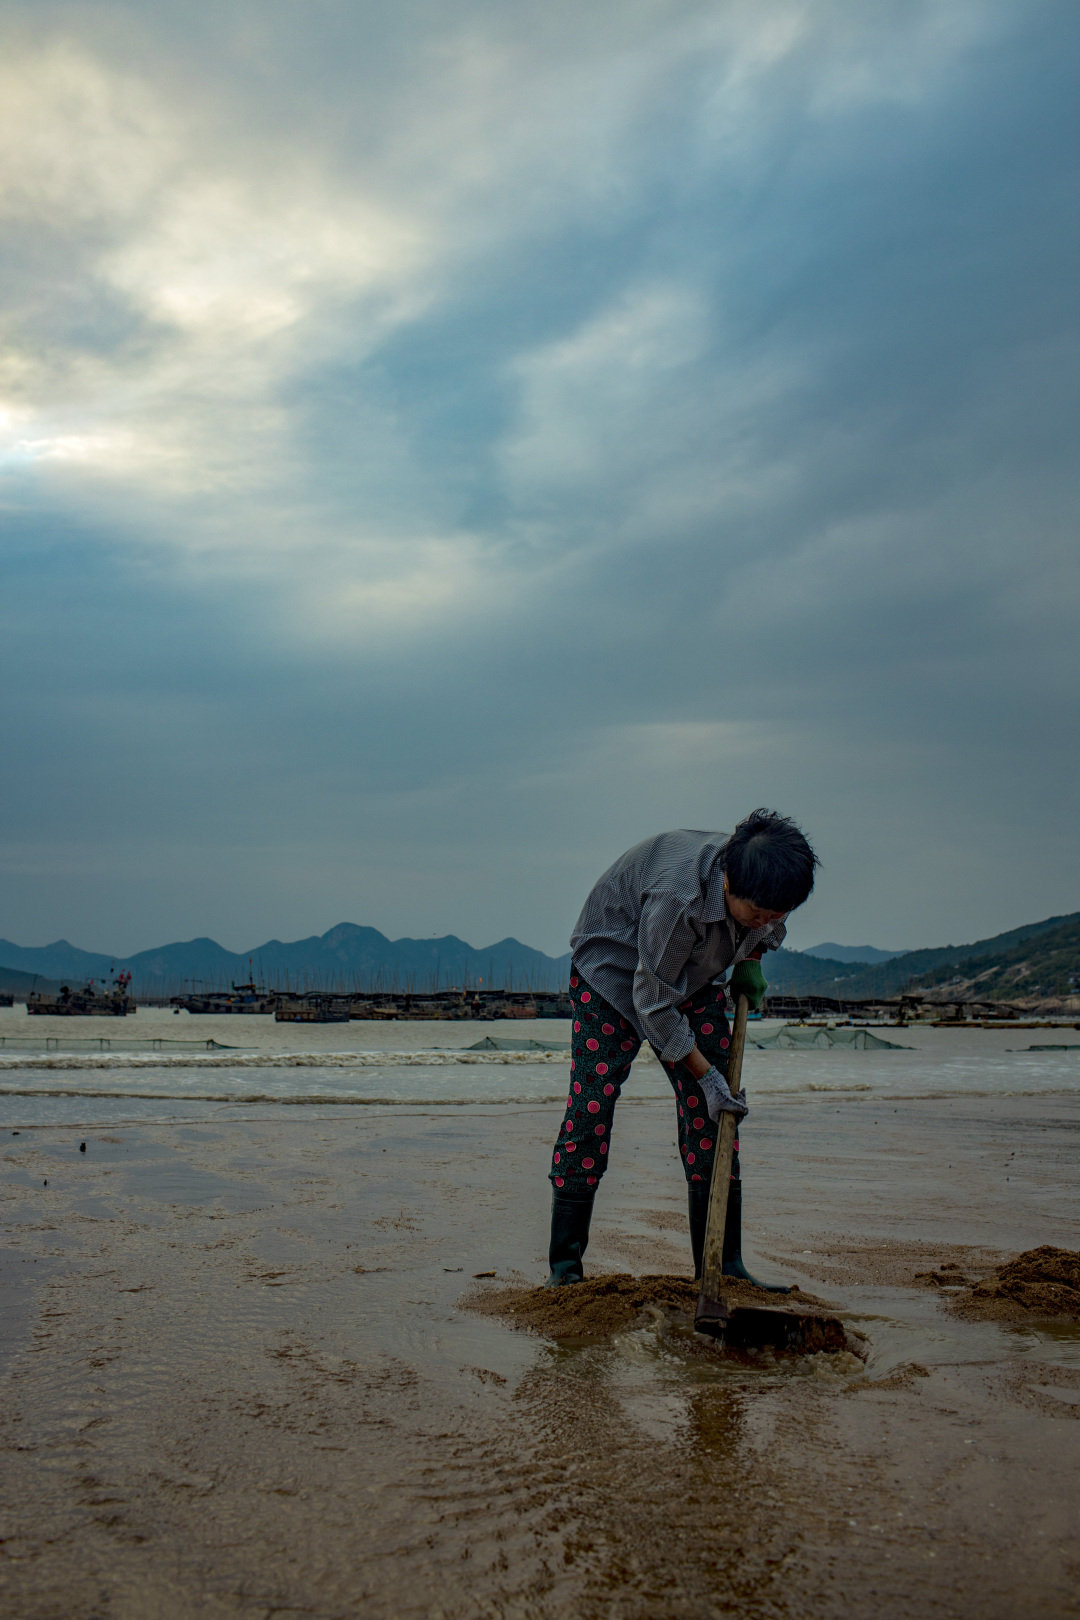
column 237, row 1378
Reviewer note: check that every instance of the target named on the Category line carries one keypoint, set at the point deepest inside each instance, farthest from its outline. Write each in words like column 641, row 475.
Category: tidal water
column 95, row 1069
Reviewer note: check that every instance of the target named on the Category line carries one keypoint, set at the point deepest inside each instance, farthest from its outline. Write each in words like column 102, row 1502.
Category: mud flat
column 237, row 1378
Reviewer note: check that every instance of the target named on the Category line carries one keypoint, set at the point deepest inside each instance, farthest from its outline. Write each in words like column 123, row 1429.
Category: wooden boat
column 312, row 1009
column 109, row 1000
column 242, row 998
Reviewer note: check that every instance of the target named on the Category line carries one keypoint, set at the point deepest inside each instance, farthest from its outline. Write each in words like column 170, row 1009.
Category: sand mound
column 1039, row 1282
column 605, row 1305
column 595, row 1308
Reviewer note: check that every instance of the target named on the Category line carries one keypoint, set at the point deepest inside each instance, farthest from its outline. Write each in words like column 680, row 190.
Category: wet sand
column 236, row 1378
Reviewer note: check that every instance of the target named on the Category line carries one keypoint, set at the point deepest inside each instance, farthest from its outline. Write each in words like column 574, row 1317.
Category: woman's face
column 747, row 915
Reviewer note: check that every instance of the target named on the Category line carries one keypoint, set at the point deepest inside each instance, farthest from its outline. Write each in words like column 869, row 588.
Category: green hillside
column 1047, row 965
column 792, row 973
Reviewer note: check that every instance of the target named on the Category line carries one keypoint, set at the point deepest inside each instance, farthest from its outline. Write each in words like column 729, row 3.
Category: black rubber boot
column 733, row 1260
column 571, row 1213
column 698, row 1199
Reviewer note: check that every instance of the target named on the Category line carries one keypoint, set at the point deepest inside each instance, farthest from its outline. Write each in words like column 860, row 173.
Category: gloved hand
column 718, row 1099
column 748, row 980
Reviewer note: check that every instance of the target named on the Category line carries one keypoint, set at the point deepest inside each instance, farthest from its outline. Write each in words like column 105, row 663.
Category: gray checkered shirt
column 655, row 929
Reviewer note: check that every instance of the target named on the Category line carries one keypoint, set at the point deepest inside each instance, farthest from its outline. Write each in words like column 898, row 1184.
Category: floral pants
column 603, row 1047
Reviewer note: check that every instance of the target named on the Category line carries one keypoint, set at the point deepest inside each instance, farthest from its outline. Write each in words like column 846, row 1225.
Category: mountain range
column 1040, row 959
column 346, row 957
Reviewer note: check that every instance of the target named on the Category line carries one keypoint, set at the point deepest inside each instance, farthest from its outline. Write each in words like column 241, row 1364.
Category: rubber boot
column 698, row 1198
column 571, row 1213
column 733, row 1260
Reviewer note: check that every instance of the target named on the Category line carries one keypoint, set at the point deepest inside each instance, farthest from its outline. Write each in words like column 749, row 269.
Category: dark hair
column 768, row 862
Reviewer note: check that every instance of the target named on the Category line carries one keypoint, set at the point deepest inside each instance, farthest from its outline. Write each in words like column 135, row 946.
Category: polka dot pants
column 603, row 1047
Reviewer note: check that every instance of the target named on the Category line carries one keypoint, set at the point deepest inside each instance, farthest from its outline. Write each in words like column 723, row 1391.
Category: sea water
column 257, row 1062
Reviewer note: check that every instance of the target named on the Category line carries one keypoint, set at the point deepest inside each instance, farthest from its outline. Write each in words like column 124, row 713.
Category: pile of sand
column 602, row 1306
column 595, row 1308
column 1039, row 1282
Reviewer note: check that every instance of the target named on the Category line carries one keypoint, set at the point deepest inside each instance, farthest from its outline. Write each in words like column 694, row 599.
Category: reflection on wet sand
column 244, row 1386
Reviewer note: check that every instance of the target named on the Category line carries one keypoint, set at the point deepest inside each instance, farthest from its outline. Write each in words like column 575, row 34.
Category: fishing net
column 492, row 1043
column 796, row 1037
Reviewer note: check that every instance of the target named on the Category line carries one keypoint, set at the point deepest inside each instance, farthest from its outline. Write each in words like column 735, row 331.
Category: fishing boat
column 110, row 999
column 312, row 1009
column 242, row 998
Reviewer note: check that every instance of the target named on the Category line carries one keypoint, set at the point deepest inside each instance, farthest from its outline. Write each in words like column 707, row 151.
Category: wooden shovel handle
column 713, row 1258
column 738, row 1044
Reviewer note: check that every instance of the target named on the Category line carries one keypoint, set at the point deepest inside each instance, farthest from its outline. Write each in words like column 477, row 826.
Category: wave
column 273, row 1060
column 816, row 1085
column 882, row 1094
column 336, row 1101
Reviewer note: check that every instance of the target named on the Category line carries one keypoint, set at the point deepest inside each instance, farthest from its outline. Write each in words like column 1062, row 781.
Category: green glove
column 749, row 981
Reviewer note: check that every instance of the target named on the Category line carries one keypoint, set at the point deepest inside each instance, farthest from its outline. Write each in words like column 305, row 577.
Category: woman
column 658, row 932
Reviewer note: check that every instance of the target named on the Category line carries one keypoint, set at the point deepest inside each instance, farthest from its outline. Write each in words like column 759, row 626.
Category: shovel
column 747, row 1326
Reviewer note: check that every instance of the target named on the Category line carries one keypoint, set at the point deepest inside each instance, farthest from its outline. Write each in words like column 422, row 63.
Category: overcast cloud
column 440, row 445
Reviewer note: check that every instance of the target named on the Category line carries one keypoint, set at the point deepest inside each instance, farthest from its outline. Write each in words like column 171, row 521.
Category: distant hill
column 1044, row 966
column 850, row 953
column 347, row 957
column 60, row 961
column 14, row 983
column 798, row 973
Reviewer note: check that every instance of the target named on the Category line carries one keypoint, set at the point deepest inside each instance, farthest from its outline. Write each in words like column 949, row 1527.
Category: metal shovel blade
column 756, row 1327
column 712, row 1317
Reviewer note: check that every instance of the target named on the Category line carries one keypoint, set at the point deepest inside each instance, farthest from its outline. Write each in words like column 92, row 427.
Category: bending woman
column 658, row 933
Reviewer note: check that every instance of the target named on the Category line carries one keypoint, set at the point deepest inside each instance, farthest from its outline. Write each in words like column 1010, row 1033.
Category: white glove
column 718, row 1099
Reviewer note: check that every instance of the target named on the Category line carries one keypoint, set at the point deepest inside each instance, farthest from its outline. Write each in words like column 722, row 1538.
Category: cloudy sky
column 443, row 444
